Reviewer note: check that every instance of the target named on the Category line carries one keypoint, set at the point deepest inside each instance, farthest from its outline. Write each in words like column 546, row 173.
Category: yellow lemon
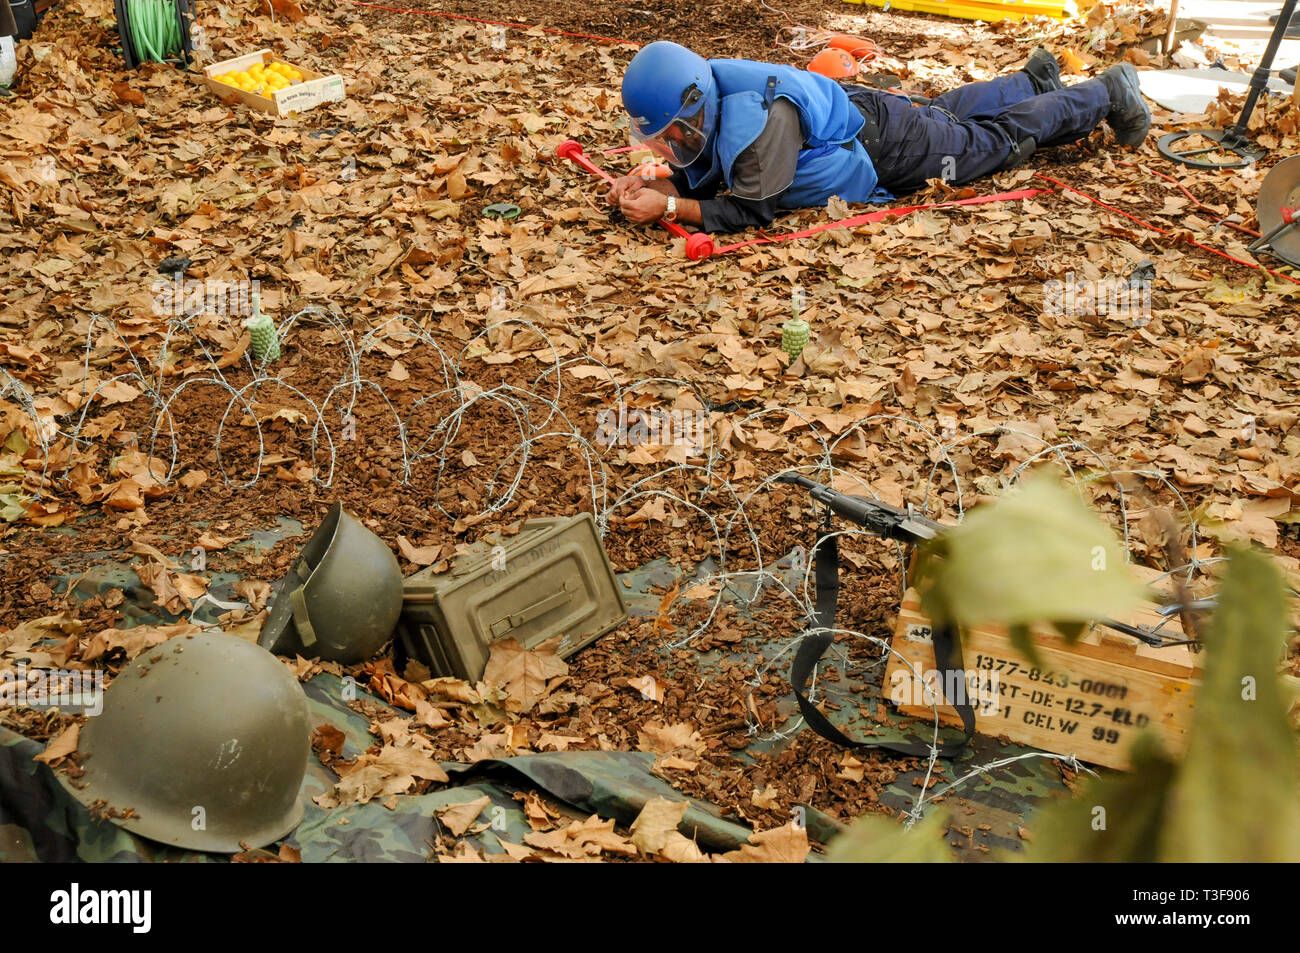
column 295, row 75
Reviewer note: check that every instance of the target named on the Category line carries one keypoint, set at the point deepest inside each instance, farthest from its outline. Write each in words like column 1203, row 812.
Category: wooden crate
column 1090, row 699
column 314, row 89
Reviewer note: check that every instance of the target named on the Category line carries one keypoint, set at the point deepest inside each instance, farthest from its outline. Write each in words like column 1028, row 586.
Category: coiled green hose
column 155, row 29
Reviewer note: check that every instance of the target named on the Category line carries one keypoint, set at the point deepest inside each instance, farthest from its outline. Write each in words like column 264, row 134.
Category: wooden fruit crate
column 314, row 89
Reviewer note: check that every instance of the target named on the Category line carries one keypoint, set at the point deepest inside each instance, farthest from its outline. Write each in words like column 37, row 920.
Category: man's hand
column 624, row 185
column 643, row 205
column 643, row 200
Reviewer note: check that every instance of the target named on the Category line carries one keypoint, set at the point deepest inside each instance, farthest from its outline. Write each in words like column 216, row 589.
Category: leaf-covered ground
column 939, row 366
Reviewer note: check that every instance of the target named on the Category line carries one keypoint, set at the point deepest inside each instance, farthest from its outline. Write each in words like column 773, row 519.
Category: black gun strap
column 947, row 659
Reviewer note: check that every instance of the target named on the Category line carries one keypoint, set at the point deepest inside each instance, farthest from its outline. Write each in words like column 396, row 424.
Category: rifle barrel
column 875, row 516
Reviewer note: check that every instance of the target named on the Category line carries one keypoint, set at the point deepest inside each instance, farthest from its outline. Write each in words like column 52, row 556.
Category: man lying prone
column 748, row 139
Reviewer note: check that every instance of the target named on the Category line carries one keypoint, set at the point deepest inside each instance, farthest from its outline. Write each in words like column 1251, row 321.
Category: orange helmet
column 833, row 63
column 652, row 170
column 855, row 46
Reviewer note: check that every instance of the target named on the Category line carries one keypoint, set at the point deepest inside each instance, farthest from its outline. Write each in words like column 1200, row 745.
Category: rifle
column 887, row 522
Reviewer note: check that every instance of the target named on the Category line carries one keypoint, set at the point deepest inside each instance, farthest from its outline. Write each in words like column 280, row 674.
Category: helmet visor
column 682, row 139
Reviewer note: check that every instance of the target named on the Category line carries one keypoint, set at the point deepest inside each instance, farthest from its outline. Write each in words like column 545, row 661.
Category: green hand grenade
column 795, row 334
column 261, row 329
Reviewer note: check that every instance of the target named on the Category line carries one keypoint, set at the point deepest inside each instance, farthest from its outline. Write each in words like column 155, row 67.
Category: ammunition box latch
column 541, row 607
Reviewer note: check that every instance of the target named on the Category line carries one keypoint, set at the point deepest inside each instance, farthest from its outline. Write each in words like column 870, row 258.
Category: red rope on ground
column 1186, row 191
column 518, row 26
column 880, row 216
column 1155, row 228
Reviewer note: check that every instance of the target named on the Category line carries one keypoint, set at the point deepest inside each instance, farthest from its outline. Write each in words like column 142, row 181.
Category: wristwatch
column 671, row 214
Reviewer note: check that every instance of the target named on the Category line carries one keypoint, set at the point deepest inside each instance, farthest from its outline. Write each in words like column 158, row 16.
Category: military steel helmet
column 341, row 599
column 202, row 744
column 672, row 100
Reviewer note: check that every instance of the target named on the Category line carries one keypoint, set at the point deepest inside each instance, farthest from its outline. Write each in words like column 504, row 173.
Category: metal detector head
column 1227, row 142
column 1280, row 190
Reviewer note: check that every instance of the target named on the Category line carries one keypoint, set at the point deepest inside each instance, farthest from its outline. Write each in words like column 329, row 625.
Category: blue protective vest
column 828, row 119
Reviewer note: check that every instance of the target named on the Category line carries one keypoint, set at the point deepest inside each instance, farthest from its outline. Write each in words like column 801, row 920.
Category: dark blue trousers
column 969, row 132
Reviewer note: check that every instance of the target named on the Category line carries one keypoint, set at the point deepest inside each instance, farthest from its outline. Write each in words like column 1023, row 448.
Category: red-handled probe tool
column 698, row 244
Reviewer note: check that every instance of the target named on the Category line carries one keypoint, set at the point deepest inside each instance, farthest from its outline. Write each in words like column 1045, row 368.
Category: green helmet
column 341, row 599
column 202, row 744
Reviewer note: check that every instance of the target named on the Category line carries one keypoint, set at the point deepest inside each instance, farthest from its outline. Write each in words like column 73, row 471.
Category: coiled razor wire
column 43, row 428
column 704, row 495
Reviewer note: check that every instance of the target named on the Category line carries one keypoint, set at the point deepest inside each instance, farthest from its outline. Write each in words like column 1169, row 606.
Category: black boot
column 1043, row 70
column 1020, row 153
column 1128, row 116
column 1292, row 28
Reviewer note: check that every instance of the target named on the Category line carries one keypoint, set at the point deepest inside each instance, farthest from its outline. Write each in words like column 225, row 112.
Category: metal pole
column 1260, row 78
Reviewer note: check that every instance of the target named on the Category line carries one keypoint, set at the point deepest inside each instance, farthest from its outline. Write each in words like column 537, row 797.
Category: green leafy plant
column 879, row 840
column 1235, row 794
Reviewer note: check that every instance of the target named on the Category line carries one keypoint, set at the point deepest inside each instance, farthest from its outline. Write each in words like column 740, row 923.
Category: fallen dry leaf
column 524, row 675
column 458, row 818
column 655, row 833
column 658, row 738
column 62, row 746
column 783, row 845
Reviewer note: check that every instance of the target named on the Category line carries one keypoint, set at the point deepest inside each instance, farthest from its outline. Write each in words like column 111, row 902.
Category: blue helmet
column 672, row 100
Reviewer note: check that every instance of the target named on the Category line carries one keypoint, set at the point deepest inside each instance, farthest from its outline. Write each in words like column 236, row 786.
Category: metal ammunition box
column 552, row 579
